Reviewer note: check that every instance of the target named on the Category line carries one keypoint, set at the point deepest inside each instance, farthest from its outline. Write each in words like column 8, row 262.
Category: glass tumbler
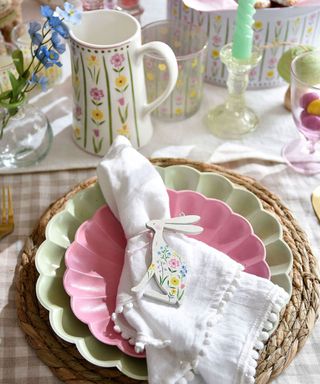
column 189, row 43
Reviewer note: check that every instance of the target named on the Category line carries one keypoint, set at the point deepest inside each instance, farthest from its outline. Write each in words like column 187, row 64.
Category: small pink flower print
column 163, row 110
column 121, row 101
column 179, row 100
column 313, row 16
column 216, row 40
column 166, row 76
column 96, row 132
column 194, row 80
column 182, row 286
column 117, row 60
column 253, row 74
column 149, row 64
column 78, row 112
column 256, row 36
column 272, row 62
column 279, row 23
column 96, row 94
column 174, row 263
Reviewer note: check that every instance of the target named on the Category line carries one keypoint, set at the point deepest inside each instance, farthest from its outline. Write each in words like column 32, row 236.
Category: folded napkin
column 225, row 315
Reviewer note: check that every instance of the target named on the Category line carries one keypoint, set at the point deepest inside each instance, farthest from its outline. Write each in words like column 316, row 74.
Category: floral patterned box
column 292, row 25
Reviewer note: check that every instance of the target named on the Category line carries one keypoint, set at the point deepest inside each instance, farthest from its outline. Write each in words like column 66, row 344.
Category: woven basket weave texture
column 296, row 322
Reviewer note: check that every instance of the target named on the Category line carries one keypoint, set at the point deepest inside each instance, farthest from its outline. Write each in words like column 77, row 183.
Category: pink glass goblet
column 302, row 154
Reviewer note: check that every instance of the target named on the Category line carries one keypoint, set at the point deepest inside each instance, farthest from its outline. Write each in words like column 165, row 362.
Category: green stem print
column 85, row 103
column 76, row 79
column 121, row 86
column 109, row 101
column 134, row 102
column 97, row 97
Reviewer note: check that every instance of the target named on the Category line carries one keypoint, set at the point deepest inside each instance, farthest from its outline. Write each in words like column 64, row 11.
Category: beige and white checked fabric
column 32, row 194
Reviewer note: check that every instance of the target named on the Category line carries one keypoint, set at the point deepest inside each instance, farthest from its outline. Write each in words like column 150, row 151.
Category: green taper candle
column 243, row 34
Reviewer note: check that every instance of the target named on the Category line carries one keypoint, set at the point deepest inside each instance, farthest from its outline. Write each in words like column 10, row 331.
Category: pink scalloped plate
column 94, row 260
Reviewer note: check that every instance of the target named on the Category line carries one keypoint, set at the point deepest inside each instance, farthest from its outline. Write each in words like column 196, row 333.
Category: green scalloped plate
column 60, row 233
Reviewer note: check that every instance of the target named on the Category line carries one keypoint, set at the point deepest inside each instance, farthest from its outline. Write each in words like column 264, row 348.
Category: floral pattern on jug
column 109, row 93
column 95, row 77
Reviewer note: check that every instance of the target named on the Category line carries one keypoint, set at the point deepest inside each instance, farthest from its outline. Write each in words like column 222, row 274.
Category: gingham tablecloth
column 33, row 192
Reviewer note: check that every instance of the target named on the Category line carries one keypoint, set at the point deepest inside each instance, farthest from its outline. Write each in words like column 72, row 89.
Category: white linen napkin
column 214, row 335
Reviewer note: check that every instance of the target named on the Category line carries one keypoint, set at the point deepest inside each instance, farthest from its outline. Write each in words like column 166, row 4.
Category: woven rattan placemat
column 294, row 327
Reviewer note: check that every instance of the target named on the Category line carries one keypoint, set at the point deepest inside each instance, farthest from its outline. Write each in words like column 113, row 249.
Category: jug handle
column 167, row 53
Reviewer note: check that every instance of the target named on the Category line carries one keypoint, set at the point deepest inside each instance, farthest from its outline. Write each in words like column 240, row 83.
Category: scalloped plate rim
column 213, row 174
column 117, row 342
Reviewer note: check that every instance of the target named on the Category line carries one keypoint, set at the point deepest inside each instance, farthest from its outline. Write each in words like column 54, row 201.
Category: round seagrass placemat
column 296, row 322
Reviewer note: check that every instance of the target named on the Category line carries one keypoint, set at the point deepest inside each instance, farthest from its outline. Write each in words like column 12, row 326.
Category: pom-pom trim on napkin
column 271, row 318
column 139, row 340
column 215, row 313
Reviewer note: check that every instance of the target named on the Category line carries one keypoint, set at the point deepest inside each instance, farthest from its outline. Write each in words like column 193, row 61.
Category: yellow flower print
column 175, row 12
column 177, row 43
column 97, row 115
column 215, row 54
column 124, row 130
column 217, row 18
column 162, row 67
column 150, row 76
column 194, row 63
column 185, row 8
column 92, row 60
column 76, row 80
column 193, row 93
column 270, row 74
column 257, row 25
column 152, row 267
column 179, row 83
column 77, row 132
column 121, row 81
column 310, row 30
column 173, row 291
column 175, row 281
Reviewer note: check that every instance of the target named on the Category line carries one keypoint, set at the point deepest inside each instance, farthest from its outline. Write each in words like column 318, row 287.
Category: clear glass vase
column 25, row 137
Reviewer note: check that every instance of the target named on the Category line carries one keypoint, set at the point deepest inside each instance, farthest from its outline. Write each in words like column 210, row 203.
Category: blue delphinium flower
column 35, row 36
column 48, row 57
column 46, row 11
column 42, row 56
column 57, row 25
column 57, row 44
column 42, row 81
column 54, row 22
column 70, row 13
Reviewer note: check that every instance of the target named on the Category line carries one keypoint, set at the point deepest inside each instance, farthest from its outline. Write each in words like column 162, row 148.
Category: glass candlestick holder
column 233, row 119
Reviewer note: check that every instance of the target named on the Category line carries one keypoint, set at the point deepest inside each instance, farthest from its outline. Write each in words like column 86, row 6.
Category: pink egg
column 308, row 98
column 310, row 121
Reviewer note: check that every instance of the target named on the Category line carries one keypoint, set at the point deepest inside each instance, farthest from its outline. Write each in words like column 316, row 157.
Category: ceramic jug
column 109, row 91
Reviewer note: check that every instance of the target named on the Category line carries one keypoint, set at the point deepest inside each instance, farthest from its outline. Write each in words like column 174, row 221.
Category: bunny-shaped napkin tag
column 168, row 267
column 214, row 333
